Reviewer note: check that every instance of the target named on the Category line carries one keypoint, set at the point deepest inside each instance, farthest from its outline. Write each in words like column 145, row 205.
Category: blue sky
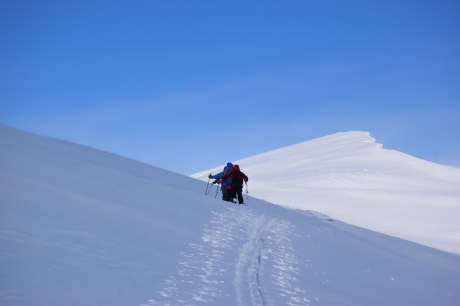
column 189, row 85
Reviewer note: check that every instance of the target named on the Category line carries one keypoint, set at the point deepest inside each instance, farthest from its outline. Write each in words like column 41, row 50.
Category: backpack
column 237, row 178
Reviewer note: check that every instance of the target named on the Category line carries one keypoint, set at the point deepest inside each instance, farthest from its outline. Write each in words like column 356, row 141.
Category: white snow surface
column 349, row 177
column 80, row 226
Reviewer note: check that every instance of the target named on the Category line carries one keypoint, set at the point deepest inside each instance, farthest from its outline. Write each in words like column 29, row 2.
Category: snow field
column 79, row 226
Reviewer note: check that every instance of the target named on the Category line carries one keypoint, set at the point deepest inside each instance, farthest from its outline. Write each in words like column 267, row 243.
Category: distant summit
column 350, row 177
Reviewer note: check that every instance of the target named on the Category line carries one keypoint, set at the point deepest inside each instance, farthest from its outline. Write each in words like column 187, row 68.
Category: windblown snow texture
column 83, row 227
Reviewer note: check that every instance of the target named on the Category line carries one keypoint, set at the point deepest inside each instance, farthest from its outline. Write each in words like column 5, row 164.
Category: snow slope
column 80, row 226
column 349, row 177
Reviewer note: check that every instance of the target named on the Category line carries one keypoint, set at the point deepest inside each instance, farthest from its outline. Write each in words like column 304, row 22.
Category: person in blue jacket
column 225, row 184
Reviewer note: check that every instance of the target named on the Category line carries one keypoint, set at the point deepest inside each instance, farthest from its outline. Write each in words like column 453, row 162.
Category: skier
column 224, row 184
column 237, row 177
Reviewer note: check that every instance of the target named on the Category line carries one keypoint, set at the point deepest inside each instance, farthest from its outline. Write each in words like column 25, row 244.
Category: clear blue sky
column 189, row 85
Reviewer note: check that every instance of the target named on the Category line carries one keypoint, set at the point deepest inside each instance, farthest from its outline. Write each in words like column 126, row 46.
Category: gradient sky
column 189, row 85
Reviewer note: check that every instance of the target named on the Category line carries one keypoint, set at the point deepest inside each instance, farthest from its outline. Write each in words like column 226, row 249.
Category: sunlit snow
column 79, row 226
column 350, row 177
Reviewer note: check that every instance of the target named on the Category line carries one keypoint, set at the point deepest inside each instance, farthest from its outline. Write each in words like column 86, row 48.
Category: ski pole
column 247, row 197
column 206, row 192
column 209, row 192
column 217, row 191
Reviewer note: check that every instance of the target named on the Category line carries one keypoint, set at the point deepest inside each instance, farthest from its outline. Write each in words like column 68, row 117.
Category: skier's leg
column 224, row 193
column 240, row 195
column 231, row 193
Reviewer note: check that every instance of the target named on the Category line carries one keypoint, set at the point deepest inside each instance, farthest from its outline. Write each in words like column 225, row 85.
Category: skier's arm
column 217, row 176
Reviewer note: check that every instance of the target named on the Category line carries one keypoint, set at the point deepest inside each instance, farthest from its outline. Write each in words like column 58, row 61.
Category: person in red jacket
column 237, row 178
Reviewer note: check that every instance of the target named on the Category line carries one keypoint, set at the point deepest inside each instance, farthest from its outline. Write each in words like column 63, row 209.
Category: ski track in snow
column 254, row 250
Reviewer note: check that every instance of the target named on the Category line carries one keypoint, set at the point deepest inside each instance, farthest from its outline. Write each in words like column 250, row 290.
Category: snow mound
column 350, row 177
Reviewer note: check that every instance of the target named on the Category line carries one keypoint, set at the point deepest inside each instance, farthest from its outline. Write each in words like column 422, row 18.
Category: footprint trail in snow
column 253, row 250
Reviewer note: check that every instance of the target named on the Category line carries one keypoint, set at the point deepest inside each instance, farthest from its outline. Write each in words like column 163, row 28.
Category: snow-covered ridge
column 312, row 151
column 352, row 178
